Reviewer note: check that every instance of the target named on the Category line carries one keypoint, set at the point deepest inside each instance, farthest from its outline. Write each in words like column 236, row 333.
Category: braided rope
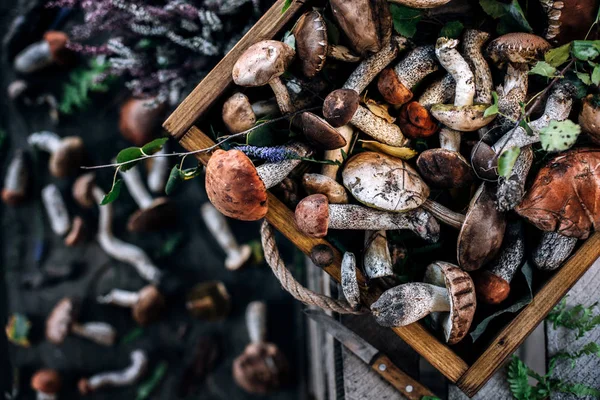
column 290, row 284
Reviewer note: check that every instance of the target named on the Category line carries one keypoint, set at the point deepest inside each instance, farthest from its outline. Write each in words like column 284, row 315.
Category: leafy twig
column 579, row 318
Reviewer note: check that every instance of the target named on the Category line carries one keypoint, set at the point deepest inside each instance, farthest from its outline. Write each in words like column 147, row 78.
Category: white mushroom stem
column 135, row 185
column 273, row 173
column 444, row 214
column 33, row 58
column 119, row 297
column 371, row 66
column 125, row 377
column 331, row 170
column 349, row 281
column 456, row 65
column 513, row 92
column 378, row 128
column 158, row 172
column 552, row 250
column 217, row 225
column 377, row 259
column 419, row 63
column 506, row 264
column 450, row 139
column 256, row 321
column 56, row 210
column 511, row 191
column 98, row 332
column 473, row 40
column 45, row 141
column 284, row 100
column 440, row 91
column 16, row 177
column 119, row 249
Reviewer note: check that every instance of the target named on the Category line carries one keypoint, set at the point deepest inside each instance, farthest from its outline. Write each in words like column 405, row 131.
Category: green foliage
column 170, row 245
column 591, row 348
column 584, row 77
column 585, row 50
column 17, row 330
column 523, row 124
column 286, row 5
column 596, row 75
column 405, row 19
column 558, row 56
column 493, row 109
column 578, row 318
column 518, row 379
column 114, row 193
column 82, row 81
column 510, row 16
column 430, row 398
column 559, row 135
column 146, row 388
column 179, row 175
column 507, row 161
column 130, row 154
column 452, row 29
column 544, row 69
column 132, row 335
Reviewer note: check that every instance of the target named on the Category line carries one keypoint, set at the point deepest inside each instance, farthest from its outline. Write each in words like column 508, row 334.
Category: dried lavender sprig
column 271, row 154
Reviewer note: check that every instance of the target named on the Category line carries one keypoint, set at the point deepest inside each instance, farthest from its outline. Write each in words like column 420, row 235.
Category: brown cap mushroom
column 240, row 115
column 147, row 305
column 317, row 183
column 569, row 19
column 319, row 133
column 77, row 233
column 140, row 119
column 589, row 117
column 517, row 47
column 16, row 180
column 209, row 301
column 51, row 50
column 415, row 121
column 47, row 384
column 82, row 190
column 66, row 154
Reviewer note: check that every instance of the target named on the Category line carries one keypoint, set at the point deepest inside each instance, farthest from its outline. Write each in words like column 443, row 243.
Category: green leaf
column 578, row 318
column 191, row 173
column 544, row 69
column 405, row 19
column 523, row 124
column 584, row 77
column 286, row 5
column 452, row 29
column 129, row 154
column 430, row 398
column 558, row 56
column 596, row 75
column 559, row 135
column 493, row 8
column 132, row 335
column 516, row 12
column 154, row 146
column 262, row 135
column 175, row 178
column 511, row 17
column 579, row 390
column 580, row 87
column 585, row 50
column 507, row 161
column 518, row 379
column 493, row 109
column 146, row 388
column 289, row 39
column 113, row 194
column 82, row 81
column 591, row 348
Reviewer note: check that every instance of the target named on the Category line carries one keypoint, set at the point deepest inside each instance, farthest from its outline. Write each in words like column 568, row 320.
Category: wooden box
column 469, row 377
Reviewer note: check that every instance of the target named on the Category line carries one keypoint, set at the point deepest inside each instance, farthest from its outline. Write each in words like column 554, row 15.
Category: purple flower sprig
column 271, row 154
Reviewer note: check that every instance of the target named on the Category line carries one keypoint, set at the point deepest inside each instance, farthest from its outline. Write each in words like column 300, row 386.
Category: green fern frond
column 82, row 81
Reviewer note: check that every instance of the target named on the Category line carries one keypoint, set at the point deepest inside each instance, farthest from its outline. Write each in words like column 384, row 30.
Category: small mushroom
column 463, row 115
column 140, row 119
column 552, row 250
column 216, row 223
column 262, row 368
column 153, row 214
column 16, row 180
column 492, row 284
column 448, row 294
column 569, row 19
column 314, row 216
column 377, row 260
column 46, row 383
column 56, row 210
column 66, row 154
column 589, row 117
column 78, row 232
column 240, row 115
column 147, row 305
column 61, row 322
column 128, row 376
column 342, row 107
column 158, row 172
column 263, row 63
column 209, row 301
column 51, row 50
column 395, row 84
column 238, row 189
column 349, row 281
column 517, row 47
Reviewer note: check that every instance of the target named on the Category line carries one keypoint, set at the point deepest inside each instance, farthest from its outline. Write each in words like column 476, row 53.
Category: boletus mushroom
column 517, row 47
column 58, row 216
column 589, row 117
column 147, row 305
column 448, row 294
column 16, row 180
column 66, row 154
column 125, row 377
column 140, row 119
column 46, row 383
column 51, row 50
column 239, row 114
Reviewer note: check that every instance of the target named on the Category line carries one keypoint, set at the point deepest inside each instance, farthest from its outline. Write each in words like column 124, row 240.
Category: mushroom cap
column 589, row 117
column 68, row 158
column 415, row 121
column 481, row 235
column 490, row 288
column 564, row 194
column 261, row 369
column 462, row 118
column 321, row 184
column 485, row 161
column 161, row 213
column 149, row 307
column 84, row 387
column 319, row 133
column 392, row 89
column 82, row 190
column 213, row 299
column 517, row 47
column 311, row 42
column 57, row 42
column 463, row 302
column 77, row 233
column 384, row 182
column 262, row 62
column 340, row 105
column 234, row 187
column 322, row 255
column 59, row 321
column 13, row 197
column 237, row 113
column 569, row 19
column 312, row 215
column 46, row 381
column 444, row 168
column 140, row 123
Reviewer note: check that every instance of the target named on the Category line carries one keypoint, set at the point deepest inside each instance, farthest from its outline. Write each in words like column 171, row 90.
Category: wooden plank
column 419, row 338
column 219, row 79
column 511, row 337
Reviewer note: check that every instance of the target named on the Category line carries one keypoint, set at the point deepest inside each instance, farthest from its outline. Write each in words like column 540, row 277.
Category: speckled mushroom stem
column 552, row 250
column 56, row 210
column 256, row 321
column 273, row 173
column 119, row 297
column 441, row 91
column 119, row 249
column 45, row 140
column 473, row 41
column 331, row 170
column 135, row 185
column 33, row 58
column 510, row 191
column 158, row 172
column 419, row 63
column 98, row 332
column 512, row 93
column 378, row 128
column 450, row 139
column 349, row 281
column 218, row 227
column 510, row 258
column 371, row 66
column 284, row 101
column 16, row 179
column 444, row 214
column 377, row 259
column 125, row 377
column 455, row 64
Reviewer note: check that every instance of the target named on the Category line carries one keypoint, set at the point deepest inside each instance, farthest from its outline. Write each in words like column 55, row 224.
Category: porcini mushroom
column 153, row 214
column 492, row 284
column 510, row 97
column 66, row 154
column 216, row 223
column 517, row 47
column 342, row 107
column 319, row 133
column 262, row 368
column 589, row 117
column 61, row 322
column 448, row 292
column 140, row 119
column 147, row 305
column 240, row 115
column 395, row 84
column 377, row 260
column 125, row 377
column 209, row 301
column 238, row 189
column 56, row 210
column 552, row 250
column 349, row 281
column 46, row 383
column 262, row 64
column 16, row 180
column 52, row 49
